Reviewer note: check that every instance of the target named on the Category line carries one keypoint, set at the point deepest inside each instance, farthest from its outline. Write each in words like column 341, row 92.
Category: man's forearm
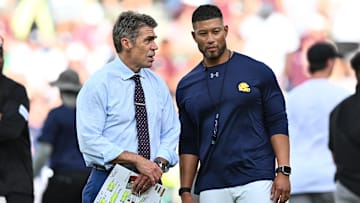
column 126, row 157
column 281, row 146
column 188, row 167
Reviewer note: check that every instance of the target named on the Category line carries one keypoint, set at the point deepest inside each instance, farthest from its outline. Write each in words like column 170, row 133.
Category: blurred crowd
column 45, row 37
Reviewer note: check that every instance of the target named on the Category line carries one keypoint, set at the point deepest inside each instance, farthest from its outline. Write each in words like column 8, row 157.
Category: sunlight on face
column 210, row 36
column 143, row 50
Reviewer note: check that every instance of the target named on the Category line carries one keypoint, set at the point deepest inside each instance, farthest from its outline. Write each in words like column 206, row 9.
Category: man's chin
column 213, row 56
column 147, row 66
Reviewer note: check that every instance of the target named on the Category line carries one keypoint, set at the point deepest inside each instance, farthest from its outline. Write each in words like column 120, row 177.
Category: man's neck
column 222, row 59
column 321, row 74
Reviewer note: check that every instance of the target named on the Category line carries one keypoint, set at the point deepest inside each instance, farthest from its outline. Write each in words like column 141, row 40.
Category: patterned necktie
column 141, row 119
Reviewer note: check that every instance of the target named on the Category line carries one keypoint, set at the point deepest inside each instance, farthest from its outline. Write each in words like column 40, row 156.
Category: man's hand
column 141, row 184
column 186, row 197
column 280, row 191
column 0, row 116
column 149, row 169
column 143, row 165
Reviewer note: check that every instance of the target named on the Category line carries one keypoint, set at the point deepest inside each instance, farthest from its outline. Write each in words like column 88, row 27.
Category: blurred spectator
column 343, row 73
column 296, row 66
column 303, row 14
column 345, row 13
column 308, row 106
column 58, row 143
column 65, row 13
column 262, row 31
column 76, row 53
column 345, row 143
column 163, row 64
column 16, row 182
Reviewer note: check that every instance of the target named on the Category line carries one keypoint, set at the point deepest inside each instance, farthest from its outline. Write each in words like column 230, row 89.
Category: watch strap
column 184, row 189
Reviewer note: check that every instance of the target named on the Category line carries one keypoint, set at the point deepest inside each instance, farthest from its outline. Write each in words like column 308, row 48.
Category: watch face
column 164, row 167
column 286, row 170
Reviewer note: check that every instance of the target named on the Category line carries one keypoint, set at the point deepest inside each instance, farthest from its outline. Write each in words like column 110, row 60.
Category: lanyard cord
column 217, row 104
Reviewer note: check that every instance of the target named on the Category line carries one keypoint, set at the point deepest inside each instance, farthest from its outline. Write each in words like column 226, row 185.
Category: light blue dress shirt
column 105, row 115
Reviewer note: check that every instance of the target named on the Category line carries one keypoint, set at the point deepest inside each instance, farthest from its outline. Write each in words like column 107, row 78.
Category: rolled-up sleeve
column 90, row 123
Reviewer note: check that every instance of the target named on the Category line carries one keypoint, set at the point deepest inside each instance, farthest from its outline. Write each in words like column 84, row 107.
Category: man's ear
column 226, row 29
column 126, row 43
column 193, row 35
column 330, row 62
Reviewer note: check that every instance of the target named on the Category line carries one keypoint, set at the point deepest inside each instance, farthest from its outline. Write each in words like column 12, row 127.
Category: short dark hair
column 319, row 53
column 128, row 25
column 355, row 62
column 317, row 67
column 206, row 12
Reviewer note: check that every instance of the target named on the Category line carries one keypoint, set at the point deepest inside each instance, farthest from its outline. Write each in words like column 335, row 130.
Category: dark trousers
column 65, row 187
column 94, row 184
column 19, row 197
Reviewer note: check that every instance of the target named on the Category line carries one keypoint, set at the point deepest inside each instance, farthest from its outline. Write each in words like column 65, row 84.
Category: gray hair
column 128, row 24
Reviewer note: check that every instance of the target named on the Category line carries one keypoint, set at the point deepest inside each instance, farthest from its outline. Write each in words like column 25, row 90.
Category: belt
column 131, row 167
column 101, row 168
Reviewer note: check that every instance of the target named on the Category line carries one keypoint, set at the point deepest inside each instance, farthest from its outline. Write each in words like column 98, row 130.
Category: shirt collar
column 125, row 72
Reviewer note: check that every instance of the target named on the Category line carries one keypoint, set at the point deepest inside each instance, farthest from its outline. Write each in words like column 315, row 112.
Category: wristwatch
column 164, row 167
column 184, row 189
column 286, row 170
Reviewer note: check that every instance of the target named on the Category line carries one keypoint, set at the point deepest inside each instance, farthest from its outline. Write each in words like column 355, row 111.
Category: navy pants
column 93, row 185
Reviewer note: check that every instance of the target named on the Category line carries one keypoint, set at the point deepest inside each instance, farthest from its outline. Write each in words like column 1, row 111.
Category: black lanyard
column 217, row 104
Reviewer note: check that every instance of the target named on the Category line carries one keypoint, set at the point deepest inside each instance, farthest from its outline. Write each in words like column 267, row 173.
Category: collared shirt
column 105, row 113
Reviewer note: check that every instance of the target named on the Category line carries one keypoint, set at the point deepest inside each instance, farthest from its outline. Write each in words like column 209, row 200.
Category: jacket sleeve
column 14, row 114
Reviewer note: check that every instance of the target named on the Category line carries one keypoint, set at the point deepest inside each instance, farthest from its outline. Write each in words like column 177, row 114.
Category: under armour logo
column 213, row 75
